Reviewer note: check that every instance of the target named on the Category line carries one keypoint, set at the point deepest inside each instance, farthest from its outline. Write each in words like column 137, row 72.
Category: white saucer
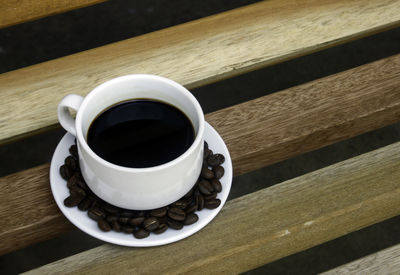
column 83, row 222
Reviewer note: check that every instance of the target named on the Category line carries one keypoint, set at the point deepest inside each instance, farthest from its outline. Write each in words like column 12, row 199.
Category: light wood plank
column 266, row 225
column 257, row 132
column 385, row 262
column 18, row 11
column 193, row 54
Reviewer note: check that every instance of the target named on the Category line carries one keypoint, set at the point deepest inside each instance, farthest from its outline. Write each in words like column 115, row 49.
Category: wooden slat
column 19, row 11
column 385, row 262
column 28, row 211
column 193, row 54
column 266, row 225
column 258, row 133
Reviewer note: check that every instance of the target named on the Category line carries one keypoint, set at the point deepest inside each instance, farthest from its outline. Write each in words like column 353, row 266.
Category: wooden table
column 277, row 221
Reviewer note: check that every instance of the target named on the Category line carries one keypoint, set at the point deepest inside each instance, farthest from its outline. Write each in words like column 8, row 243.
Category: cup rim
column 82, row 141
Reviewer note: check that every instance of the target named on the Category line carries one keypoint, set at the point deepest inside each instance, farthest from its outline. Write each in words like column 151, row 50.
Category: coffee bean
column 216, row 184
column 205, row 187
column 82, row 184
column 73, row 150
column 127, row 229
column 161, row 228
column 136, row 221
column 123, row 220
column 212, row 204
column 111, row 218
column 207, row 152
column 73, row 200
column 213, row 195
column 127, row 213
column 151, row 224
column 191, row 219
column 160, row 212
column 199, row 201
column 191, row 208
column 111, row 209
column 219, row 171
column 176, row 214
column 180, row 204
column 163, row 219
column 71, row 162
column 116, row 226
column 66, row 172
column 188, row 194
column 207, row 173
column 94, row 205
column 215, row 160
column 140, row 214
column 77, row 190
column 96, row 214
column 95, row 201
column 175, row 224
column 103, row 225
column 141, row 234
column 73, row 180
column 85, row 204
column 189, row 200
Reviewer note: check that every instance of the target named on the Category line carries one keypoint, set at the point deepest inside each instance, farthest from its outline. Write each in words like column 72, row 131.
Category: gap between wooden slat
column 193, row 54
column 18, row 11
column 386, row 261
column 257, row 132
column 266, row 225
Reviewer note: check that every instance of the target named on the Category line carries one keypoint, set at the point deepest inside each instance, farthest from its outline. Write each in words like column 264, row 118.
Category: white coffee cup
column 135, row 188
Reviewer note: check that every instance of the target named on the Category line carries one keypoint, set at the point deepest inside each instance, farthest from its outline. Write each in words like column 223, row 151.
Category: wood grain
column 27, row 209
column 312, row 115
column 385, row 262
column 18, row 11
column 193, row 54
column 257, row 133
column 266, row 225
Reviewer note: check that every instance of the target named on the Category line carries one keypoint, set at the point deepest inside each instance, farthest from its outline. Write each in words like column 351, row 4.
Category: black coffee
column 140, row 133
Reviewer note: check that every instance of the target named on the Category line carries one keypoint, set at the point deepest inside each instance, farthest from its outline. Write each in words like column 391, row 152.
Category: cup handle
column 72, row 101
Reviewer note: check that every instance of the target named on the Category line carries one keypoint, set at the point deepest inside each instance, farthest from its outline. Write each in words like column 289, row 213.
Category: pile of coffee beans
column 142, row 223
